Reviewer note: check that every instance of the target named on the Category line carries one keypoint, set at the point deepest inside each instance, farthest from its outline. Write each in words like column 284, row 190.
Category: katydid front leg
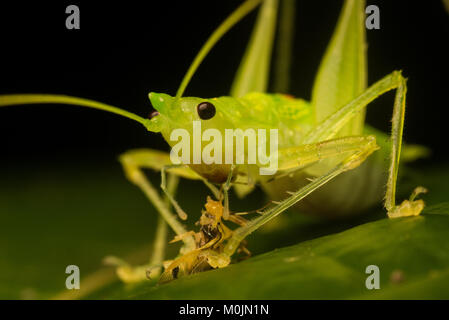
column 132, row 167
column 181, row 213
column 226, row 186
column 131, row 274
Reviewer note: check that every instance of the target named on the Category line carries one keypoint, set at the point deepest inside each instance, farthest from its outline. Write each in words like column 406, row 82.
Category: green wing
column 342, row 75
column 253, row 72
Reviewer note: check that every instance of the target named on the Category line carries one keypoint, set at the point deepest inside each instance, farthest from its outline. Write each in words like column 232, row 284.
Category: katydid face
column 292, row 117
column 179, row 113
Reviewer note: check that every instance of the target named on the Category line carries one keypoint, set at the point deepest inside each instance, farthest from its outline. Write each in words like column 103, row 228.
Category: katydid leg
column 329, row 127
column 226, row 186
column 135, row 175
column 181, row 213
column 153, row 269
column 350, row 162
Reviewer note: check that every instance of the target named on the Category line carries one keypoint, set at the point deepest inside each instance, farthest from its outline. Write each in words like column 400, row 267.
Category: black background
column 124, row 50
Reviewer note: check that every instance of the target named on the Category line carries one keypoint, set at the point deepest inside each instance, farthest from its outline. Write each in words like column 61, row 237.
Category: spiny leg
column 160, row 240
column 295, row 158
column 154, row 268
column 238, row 219
column 131, row 274
column 244, row 186
column 136, row 176
column 363, row 150
column 135, row 160
column 211, row 187
column 409, row 207
column 226, row 186
column 157, row 160
column 182, row 236
column 181, row 213
column 329, row 127
column 160, row 161
column 306, row 155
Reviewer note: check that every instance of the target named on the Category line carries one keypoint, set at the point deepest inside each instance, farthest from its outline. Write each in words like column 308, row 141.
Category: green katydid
column 318, row 140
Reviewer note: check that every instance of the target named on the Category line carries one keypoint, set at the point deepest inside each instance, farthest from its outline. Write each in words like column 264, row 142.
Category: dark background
column 124, row 50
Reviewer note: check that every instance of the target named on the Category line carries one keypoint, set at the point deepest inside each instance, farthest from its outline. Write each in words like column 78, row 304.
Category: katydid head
column 185, row 121
column 180, row 113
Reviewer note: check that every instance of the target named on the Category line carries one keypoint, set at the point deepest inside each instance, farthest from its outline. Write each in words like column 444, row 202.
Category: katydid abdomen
column 350, row 193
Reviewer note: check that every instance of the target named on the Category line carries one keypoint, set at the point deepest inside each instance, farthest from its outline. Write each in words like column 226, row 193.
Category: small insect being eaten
column 209, row 252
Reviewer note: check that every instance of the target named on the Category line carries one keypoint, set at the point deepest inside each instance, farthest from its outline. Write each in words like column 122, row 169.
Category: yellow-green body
column 294, row 119
column 326, row 154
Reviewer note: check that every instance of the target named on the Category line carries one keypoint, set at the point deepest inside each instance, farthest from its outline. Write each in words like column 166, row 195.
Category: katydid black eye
column 206, row 110
column 153, row 114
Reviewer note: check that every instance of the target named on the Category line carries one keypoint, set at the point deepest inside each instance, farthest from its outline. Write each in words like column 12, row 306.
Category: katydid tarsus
column 318, row 140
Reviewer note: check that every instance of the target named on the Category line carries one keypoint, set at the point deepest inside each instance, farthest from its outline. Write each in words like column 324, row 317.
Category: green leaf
column 342, row 74
column 411, row 253
column 79, row 214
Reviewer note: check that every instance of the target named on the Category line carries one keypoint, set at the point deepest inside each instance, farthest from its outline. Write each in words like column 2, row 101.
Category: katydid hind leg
column 329, row 127
column 353, row 160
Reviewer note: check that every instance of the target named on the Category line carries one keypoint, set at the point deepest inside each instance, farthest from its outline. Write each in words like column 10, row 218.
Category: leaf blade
column 332, row 267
